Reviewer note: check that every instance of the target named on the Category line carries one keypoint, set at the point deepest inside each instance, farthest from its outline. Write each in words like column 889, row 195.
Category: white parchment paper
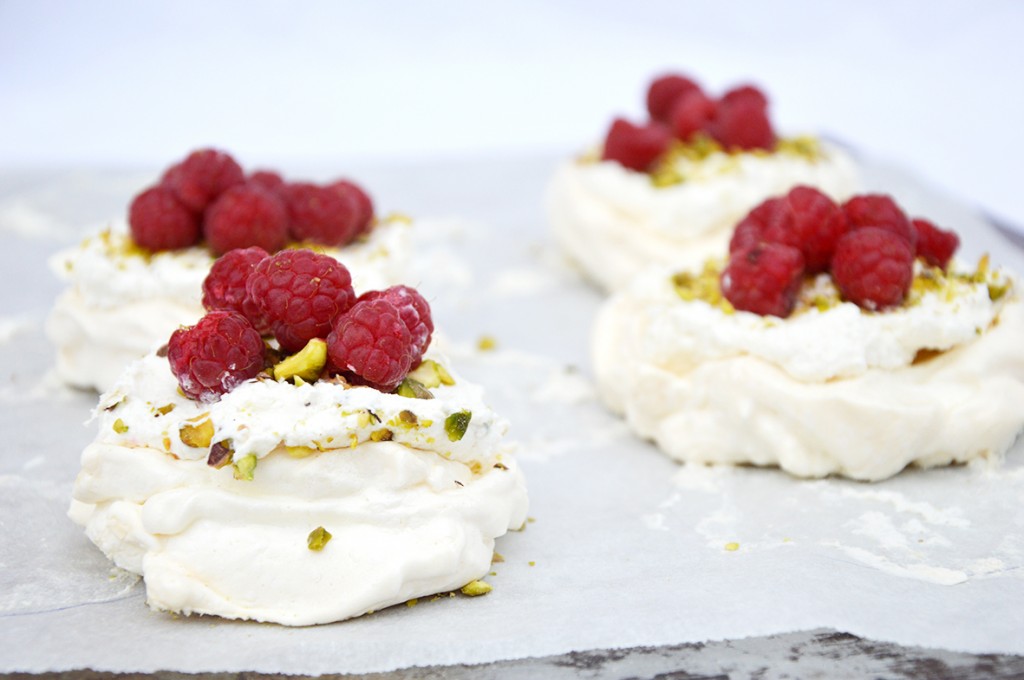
column 627, row 548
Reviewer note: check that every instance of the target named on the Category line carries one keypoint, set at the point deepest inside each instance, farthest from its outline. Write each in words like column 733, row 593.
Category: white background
column 935, row 86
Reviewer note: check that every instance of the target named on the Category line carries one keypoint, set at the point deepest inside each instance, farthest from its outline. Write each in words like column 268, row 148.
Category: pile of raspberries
column 680, row 109
column 296, row 296
column 208, row 197
column 867, row 244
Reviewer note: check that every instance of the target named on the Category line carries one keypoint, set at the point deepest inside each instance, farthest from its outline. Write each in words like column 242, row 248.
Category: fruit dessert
column 330, row 468
column 132, row 284
column 842, row 340
column 669, row 190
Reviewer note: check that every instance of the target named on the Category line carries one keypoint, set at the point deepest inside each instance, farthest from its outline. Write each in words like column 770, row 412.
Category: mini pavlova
column 839, row 340
column 134, row 282
column 669, row 191
column 299, row 455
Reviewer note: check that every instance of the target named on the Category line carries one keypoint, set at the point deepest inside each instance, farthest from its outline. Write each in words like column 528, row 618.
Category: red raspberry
column 246, row 215
column 935, row 246
column 415, row 313
column 224, row 286
column 741, row 120
column 159, row 221
column 170, row 176
column 664, row 92
column 873, row 267
column 764, row 280
column 691, row 114
column 879, row 210
column 301, row 293
column 321, row 214
column 745, row 93
column 269, row 180
column 216, row 355
column 809, row 220
column 750, row 231
column 203, row 176
column 635, row 146
column 372, row 343
column 363, row 202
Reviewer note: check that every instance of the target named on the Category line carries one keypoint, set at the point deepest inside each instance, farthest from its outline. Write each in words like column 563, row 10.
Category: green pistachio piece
column 431, row 374
column 413, row 389
column 304, row 365
column 221, row 454
column 475, row 588
column 456, row 425
column 318, row 538
column 120, row 427
column 244, row 467
column 198, row 435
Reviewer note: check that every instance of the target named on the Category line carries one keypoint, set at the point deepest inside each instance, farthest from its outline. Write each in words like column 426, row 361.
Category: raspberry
column 363, row 202
column 879, row 210
column 415, row 313
column 935, row 246
column 216, row 355
column 269, row 180
column 301, row 293
column 321, row 214
column 873, row 267
column 246, row 215
column 224, row 286
column 159, row 221
column 750, row 231
column 745, row 93
column 664, row 92
column 635, row 146
column 372, row 343
column 691, row 114
column 203, row 176
column 741, row 122
column 764, row 279
column 809, row 220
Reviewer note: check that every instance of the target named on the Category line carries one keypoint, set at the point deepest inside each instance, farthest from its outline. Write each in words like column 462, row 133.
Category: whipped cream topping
column 409, row 515
column 120, row 303
column 145, row 408
column 614, row 222
column 836, row 390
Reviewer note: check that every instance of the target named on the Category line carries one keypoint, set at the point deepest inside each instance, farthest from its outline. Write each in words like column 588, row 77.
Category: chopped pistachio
column 198, row 436
column 431, row 374
column 299, row 451
column 165, row 409
column 111, row 407
column 305, row 365
column 120, row 427
column 412, row 603
column 413, row 389
column 407, row 417
column 318, row 538
column 732, row 546
column 398, row 217
column 997, row 291
column 475, row 588
column 486, row 343
column 497, row 557
column 244, row 467
column 221, row 454
column 456, row 425
column 383, row 435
